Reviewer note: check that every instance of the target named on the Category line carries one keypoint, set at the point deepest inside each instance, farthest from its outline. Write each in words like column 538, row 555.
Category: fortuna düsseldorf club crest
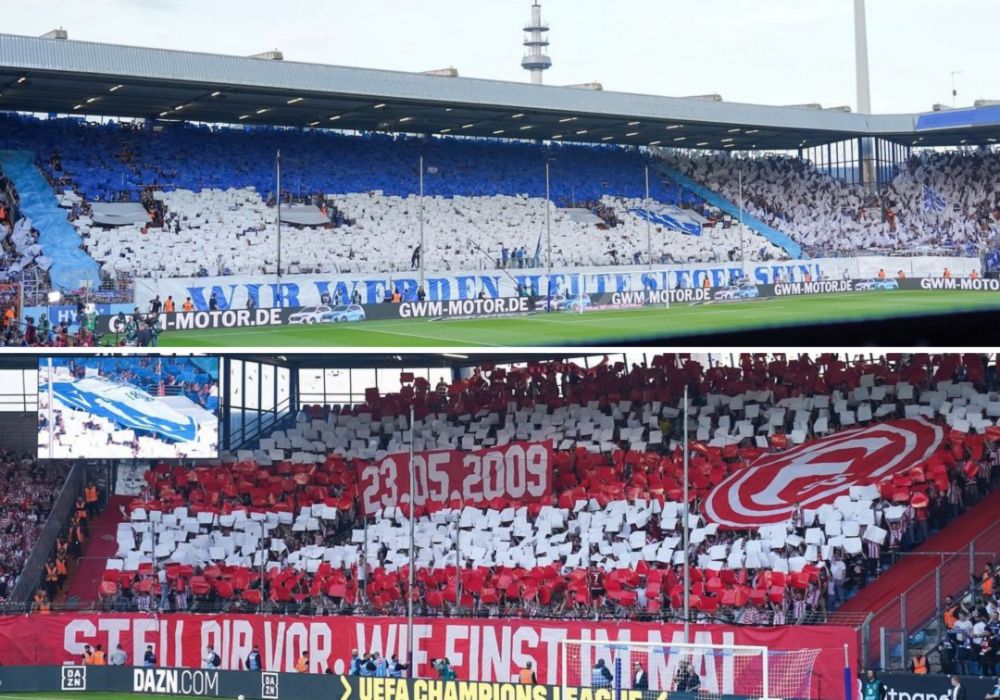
column 819, row 471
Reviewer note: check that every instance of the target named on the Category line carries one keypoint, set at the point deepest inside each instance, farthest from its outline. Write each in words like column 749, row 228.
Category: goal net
column 725, row 672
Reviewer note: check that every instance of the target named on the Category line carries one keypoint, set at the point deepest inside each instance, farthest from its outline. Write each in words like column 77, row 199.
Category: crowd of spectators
column 19, row 249
column 38, row 333
column 219, row 183
column 480, row 197
column 28, row 489
column 279, row 581
column 937, row 200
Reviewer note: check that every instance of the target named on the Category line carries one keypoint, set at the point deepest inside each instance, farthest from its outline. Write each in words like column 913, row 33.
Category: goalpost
column 705, row 671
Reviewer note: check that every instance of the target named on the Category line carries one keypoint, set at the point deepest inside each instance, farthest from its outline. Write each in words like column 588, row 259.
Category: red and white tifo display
column 568, row 499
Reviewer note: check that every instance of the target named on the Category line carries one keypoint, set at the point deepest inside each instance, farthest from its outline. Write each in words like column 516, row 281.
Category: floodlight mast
column 863, row 86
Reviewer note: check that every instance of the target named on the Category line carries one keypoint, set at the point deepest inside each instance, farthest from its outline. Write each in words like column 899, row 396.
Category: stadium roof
column 75, row 77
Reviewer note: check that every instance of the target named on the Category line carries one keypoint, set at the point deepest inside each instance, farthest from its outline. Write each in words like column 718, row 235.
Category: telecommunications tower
column 535, row 59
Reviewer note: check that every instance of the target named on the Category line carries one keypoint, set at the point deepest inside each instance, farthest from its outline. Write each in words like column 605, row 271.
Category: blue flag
column 933, row 201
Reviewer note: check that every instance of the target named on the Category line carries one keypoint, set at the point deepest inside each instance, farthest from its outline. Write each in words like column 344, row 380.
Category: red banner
column 520, row 472
column 819, row 471
column 487, row 650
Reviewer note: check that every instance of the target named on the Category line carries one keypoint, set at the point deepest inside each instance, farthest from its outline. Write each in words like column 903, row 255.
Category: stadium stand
column 199, row 184
column 352, row 204
column 28, row 489
column 935, row 200
column 280, row 528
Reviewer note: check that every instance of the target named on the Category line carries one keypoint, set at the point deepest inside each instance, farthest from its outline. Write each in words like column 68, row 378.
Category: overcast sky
column 761, row 51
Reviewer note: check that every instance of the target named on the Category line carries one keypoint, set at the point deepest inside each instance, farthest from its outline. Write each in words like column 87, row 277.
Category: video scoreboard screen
column 128, row 407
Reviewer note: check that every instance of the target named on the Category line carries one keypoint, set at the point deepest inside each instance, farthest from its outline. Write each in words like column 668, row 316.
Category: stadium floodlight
column 607, row 138
column 498, row 131
column 632, row 133
column 313, row 123
column 334, row 118
column 55, row 296
column 655, row 143
column 215, row 94
column 567, row 119
column 262, row 110
column 526, row 127
column 380, row 105
column 406, row 119
column 727, row 140
column 633, row 123
column 23, row 79
column 92, row 100
column 242, row 116
column 702, row 143
column 680, row 138
column 752, row 131
column 116, row 88
column 294, row 100
column 445, row 131
column 518, row 115
column 467, row 126
column 674, row 126
column 77, row 106
column 734, row 131
column 581, row 132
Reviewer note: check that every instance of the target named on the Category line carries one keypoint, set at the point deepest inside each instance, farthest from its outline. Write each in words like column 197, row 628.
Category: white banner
column 307, row 290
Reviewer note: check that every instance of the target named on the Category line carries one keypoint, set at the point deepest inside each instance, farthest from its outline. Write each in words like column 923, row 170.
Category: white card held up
column 876, row 534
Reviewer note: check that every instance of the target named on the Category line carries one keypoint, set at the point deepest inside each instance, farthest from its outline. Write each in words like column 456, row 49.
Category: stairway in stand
column 85, row 580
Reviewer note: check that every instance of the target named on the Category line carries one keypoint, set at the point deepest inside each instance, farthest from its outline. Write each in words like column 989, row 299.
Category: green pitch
column 599, row 327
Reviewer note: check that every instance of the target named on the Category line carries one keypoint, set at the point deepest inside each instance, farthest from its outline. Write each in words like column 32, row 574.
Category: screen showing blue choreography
column 128, row 407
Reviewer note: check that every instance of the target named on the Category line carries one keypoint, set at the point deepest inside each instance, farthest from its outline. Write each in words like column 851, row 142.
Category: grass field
column 601, row 327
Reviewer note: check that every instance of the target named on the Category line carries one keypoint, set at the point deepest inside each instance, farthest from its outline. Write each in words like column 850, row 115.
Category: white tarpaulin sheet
column 118, row 213
column 303, row 215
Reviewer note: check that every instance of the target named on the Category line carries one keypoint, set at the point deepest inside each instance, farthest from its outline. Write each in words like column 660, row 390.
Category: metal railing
column 922, row 601
column 311, row 607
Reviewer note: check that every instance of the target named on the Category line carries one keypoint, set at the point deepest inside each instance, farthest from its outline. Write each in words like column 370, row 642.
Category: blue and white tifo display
column 128, row 407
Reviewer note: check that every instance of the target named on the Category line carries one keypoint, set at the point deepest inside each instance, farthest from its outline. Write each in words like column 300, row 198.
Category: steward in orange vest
column 918, row 665
column 526, row 676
